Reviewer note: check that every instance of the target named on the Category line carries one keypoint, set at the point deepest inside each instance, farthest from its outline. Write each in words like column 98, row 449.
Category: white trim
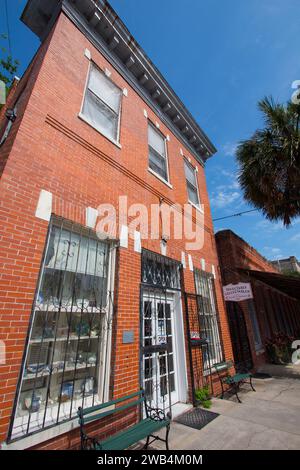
column 88, row 54
column 179, row 346
column 203, row 264
column 183, row 261
column 44, row 206
column 191, row 266
column 213, row 270
column 163, row 248
column 44, row 436
column 86, row 120
column 199, row 208
column 91, row 216
column 167, row 182
column 124, row 236
column 145, row 114
column 137, row 241
column 160, row 178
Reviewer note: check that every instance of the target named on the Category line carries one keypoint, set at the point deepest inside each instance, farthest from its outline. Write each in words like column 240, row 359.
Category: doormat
column 196, row 418
column 261, row 375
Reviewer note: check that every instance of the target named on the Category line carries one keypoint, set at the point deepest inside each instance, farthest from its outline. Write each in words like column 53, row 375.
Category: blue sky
column 220, row 57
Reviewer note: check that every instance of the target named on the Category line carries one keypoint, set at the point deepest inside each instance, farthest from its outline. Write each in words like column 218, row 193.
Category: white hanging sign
column 238, row 292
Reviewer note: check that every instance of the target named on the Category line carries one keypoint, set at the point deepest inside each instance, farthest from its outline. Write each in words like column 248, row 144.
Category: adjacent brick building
column 275, row 307
column 91, row 120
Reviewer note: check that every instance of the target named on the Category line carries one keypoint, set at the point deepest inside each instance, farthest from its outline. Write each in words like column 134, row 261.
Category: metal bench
column 233, row 381
column 155, row 420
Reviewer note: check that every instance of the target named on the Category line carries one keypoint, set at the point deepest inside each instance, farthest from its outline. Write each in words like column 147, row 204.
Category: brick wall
column 275, row 311
column 50, row 148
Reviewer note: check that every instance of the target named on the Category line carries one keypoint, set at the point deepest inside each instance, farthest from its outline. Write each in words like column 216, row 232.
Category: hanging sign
column 238, row 292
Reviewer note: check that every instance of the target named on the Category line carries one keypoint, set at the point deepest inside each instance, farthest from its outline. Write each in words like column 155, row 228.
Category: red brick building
column 274, row 309
column 82, row 317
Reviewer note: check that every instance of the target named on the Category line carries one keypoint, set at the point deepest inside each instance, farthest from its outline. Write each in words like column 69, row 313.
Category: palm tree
column 269, row 162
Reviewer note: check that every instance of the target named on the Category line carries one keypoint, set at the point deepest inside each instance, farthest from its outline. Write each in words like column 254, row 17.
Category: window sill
column 115, row 142
column 160, row 178
column 25, row 442
column 198, row 208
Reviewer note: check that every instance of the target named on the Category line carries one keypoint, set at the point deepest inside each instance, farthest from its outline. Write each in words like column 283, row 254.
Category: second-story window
column 157, row 153
column 191, row 181
column 102, row 104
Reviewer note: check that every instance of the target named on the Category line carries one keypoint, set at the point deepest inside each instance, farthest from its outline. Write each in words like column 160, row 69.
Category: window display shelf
column 55, row 371
column 62, row 338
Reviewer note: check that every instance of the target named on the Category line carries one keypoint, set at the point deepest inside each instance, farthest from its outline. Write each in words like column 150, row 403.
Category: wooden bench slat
column 132, row 435
column 89, row 419
column 92, row 409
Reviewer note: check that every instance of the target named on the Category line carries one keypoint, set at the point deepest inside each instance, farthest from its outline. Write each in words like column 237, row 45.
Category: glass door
column 159, row 373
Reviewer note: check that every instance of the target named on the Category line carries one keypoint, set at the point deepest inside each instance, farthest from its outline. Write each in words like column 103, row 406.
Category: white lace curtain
column 71, row 252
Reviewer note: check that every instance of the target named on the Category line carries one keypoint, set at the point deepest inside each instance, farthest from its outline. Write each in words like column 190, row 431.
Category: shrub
column 202, row 396
column 279, row 348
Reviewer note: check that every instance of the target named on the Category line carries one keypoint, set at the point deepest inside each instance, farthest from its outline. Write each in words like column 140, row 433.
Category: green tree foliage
column 8, row 66
column 270, row 163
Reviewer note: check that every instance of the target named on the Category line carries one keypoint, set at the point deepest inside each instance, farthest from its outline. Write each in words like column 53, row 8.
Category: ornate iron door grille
column 66, row 354
column 160, row 278
column 203, row 328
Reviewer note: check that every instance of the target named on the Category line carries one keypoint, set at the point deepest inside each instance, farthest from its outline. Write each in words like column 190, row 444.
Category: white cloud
column 223, row 199
column 295, row 238
column 229, row 149
column 273, row 253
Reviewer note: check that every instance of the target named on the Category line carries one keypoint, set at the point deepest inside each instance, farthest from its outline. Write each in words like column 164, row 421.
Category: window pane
column 156, row 141
column 190, row 174
column 208, row 314
column 100, row 116
column 101, row 86
column 158, row 164
column 193, row 194
column 69, row 328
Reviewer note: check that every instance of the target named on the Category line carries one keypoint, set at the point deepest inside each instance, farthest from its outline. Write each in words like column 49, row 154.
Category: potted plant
column 202, row 396
column 279, row 348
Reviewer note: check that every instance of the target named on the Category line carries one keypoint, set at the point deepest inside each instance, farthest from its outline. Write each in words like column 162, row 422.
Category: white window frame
column 167, row 182
column 104, row 366
column 84, row 118
column 197, row 206
column 203, row 281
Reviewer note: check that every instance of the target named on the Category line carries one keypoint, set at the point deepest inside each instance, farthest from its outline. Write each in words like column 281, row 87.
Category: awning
column 288, row 284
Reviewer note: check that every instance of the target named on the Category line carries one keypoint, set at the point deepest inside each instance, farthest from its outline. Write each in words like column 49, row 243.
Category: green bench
column 155, row 419
column 233, row 381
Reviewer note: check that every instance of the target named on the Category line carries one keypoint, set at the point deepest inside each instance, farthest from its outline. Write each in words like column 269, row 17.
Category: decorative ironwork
column 203, row 331
column 199, row 352
column 71, row 324
column 157, row 348
column 208, row 315
column 160, row 271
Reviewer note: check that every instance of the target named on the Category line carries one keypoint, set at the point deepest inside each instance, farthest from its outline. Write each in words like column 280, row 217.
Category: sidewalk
column 268, row 419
